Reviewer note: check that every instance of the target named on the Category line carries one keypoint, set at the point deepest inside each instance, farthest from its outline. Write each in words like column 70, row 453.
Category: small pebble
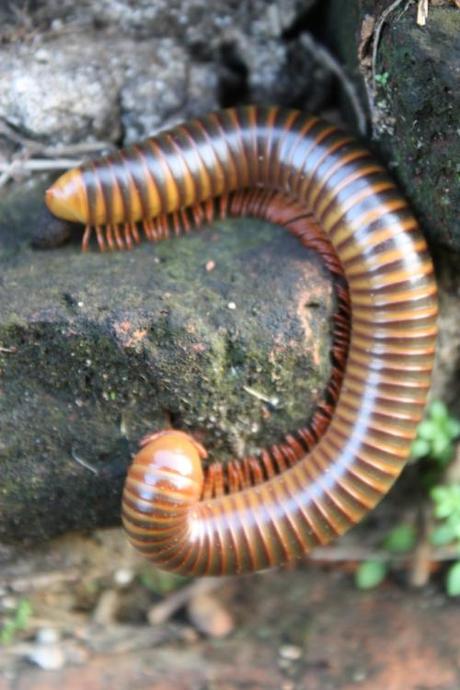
column 42, row 55
column 106, row 608
column 210, row 266
column 189, row 634
column 48, row 657
column 9, row 602
column 49, row 231
column 290, row 652
column 231, row 305
column 359, row 676
column 209, row 616
column 47, row 653
column 123, row 577
column 47, row 636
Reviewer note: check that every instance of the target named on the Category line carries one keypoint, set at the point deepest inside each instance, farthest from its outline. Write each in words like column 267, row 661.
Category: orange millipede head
column 67, row 197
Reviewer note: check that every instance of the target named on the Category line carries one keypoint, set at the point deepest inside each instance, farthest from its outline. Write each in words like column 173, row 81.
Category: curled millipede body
column 307, row 175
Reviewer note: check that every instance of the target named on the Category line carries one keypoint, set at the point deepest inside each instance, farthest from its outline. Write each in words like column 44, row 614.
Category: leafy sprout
column 19, row 620
column 382, row 79
column 446, row 501
column 371, row 574
column 435, row 435
column 434, row 445
column 435, row 442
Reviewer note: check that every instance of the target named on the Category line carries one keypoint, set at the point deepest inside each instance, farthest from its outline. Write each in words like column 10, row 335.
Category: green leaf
column 441, row 446
column 442, row 535
column 23, row 614
column 419, row 448
column 18, row 621
column 454, row 524
column 438, row 410
column 161, row 582
column 427, row 430
column 452, row 427
column 370, row 574
column 401, row 539
column 453, row 580
column 442, row 498
column 382, row 79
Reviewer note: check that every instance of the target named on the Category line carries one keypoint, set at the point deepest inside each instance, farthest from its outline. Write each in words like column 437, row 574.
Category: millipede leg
column 135, row 233
column 109, row 237
column 118, row 237
column 127, row 235
column 186, row 226
column 85, row 239
column 147, row 226
column 100, row 238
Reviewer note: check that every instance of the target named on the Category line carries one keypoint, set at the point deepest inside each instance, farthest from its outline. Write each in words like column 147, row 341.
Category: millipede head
column 67, row 199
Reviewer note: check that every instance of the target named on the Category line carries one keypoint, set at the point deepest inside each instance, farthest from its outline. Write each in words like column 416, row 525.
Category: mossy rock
column 99, row 349
column 416, row 108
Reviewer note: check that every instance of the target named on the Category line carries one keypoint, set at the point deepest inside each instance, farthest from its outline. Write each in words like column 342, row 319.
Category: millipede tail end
column 163, row 483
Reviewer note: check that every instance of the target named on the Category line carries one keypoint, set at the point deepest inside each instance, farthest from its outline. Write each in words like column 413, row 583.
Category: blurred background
column 202, row 333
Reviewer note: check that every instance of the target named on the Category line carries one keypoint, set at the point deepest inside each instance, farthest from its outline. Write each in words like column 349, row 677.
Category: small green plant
column 446, row 501
column 401, row 538
column 453, row 580
column 435, row 435
column 19, row 620
column 382, row 79
column 372, row 572
column 434, row 446
column 161, row 582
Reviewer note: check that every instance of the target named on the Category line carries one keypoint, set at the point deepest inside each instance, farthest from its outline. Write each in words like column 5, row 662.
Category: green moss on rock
column 98, row 349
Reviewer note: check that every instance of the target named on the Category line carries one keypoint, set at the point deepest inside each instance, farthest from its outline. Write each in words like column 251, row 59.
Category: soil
column 298, row 629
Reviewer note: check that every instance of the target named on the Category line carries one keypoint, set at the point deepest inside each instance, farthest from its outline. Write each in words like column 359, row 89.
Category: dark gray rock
column 416, row 109
column 98, row 349
column 48, row 92
column 277, row 71
column 116, row 71
column 193, row 22
column 158, row 96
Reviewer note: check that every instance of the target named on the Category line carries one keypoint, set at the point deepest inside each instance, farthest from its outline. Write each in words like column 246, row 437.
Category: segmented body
column 320, row 486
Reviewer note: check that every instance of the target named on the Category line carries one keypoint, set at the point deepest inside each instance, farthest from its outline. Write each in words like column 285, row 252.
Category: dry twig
column 357, row 554
column 379, row 24
column 329, row 61
column 35, row 157
column 168, row 606
column 84, row 463
column 419, row 573
column 422, row 12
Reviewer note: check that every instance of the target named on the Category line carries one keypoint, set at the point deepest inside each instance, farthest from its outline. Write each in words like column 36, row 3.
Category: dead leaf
column 365, row 37
column 209, row 616
column 422, row 12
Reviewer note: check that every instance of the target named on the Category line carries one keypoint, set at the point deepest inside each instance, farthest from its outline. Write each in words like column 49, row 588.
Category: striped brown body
column 317, row 488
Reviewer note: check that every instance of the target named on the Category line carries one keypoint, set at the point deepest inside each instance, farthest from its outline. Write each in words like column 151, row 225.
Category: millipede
column 309, row 177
